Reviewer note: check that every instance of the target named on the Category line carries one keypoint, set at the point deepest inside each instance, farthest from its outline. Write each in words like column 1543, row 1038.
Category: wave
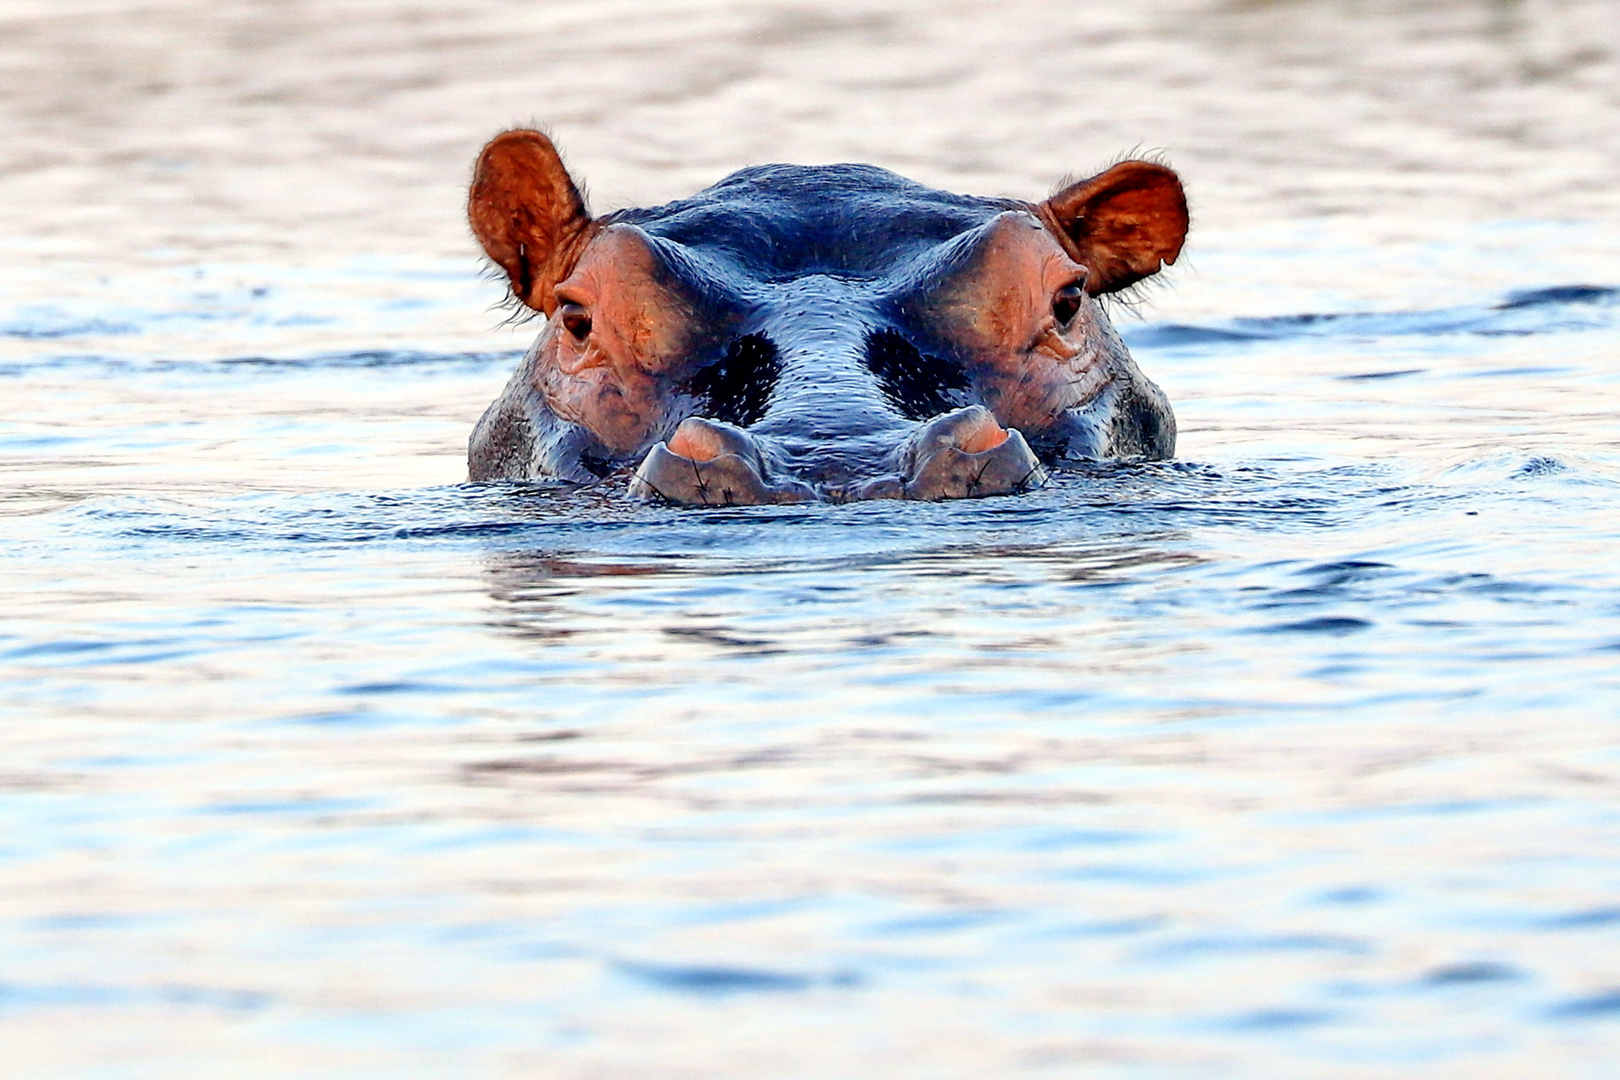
column 1559, row 309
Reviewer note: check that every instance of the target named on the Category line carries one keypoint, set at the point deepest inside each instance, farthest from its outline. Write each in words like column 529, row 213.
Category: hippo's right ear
column 526, row 211
column 1123, row 225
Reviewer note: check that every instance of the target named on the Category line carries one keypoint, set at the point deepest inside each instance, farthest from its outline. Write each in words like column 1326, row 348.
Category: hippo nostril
column 979, row 437
column 963, row 454
column 696, row 440
column 707, row 463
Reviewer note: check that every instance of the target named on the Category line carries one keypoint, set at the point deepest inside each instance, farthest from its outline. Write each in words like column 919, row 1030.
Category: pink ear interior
column 1123, row 225
column 528, row 213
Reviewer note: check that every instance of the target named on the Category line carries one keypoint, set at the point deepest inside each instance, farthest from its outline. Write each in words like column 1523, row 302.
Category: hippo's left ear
column 1122, row 225
column 529, row 215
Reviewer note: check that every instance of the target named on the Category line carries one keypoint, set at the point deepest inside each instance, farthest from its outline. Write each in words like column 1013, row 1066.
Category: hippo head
column 819, row 332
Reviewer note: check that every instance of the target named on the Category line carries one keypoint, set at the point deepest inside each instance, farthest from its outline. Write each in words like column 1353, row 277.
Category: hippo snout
column 959, row 455
column 964, row 454
column 710, row 463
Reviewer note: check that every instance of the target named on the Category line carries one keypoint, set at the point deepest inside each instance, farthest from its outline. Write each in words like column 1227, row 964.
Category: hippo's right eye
column 576, row 320
column 1066, row 303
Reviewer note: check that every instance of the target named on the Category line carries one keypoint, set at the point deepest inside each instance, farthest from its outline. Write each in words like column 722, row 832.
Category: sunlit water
column 1296, row 757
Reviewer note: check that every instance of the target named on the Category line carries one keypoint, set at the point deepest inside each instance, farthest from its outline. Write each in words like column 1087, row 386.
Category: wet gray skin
column 820, row 333
column 829, row 429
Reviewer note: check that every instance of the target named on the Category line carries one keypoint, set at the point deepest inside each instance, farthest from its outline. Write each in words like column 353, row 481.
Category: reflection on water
column 1293, row 758
column 1252, row 763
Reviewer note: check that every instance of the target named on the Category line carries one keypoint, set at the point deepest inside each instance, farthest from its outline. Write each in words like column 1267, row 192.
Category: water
column 1295, row 757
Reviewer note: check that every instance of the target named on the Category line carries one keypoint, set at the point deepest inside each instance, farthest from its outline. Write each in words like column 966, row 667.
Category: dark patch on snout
column 737, row 388
column 917, row 384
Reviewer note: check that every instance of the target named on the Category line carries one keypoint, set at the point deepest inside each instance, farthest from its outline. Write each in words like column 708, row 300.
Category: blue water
column 1295, row 757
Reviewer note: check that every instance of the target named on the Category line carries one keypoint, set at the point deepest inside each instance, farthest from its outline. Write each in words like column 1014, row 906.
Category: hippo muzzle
column 961, row 455
column 829, row 333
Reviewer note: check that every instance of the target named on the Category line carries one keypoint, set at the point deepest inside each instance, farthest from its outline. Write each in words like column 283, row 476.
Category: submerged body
column 829, row 332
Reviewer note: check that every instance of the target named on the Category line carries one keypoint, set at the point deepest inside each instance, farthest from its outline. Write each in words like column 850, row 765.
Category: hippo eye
column 1066, row 303
column 576, row 320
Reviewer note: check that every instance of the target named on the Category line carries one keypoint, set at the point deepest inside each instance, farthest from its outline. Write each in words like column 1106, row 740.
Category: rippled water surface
column 1295, row 757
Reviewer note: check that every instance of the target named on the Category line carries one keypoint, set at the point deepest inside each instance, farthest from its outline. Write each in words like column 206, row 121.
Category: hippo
column 819, row 333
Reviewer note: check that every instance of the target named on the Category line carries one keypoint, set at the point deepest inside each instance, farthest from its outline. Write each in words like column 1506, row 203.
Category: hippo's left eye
column 1066, row 303
column 576, row 320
